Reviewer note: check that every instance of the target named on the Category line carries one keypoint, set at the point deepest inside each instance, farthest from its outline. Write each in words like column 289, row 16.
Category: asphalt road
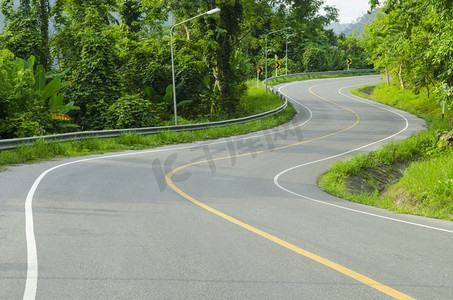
column 236, row 218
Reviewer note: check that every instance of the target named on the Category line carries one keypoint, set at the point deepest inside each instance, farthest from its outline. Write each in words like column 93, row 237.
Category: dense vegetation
column 413, row 41
column 411, row 176
column 107, row 63
column 255, row 100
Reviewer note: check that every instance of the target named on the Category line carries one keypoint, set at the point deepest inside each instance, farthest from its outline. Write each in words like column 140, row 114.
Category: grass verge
column 413, row 176
column 255, row 101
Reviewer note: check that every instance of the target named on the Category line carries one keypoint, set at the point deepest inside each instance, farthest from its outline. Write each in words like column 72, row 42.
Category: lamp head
column 213, row 11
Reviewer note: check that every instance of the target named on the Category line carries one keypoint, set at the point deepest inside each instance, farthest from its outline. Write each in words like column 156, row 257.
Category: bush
column 315, row 59
column 130, row 111
column 21, row 111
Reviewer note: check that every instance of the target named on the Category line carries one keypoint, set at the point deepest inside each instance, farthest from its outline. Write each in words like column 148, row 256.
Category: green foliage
column 27, row 29
column 374, row 3
column 412, row 40
column 130, row 112
column 144, row 64
column 113, row 48
column 28, row 96
column 131, row 15
column 351, row 48
column 21, row 111
column 444, row 93
column 230, row 82
column 21, row 35
column 46, row 150
column 256, row 100
column 426, row 186
column 192, row 74
column 50, row 87
column 424, row 189
column 94, row 74
column 162, row 105
column 416, row 103
column 315, row 59
column 132, row 139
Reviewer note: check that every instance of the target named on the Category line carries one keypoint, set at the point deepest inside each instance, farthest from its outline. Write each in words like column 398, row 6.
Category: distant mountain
column 338, row 28
column 353, row 28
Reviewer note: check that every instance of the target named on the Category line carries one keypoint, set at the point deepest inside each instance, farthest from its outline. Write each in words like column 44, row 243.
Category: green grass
column 426, row 187
column 418, row 104
column 256, row 100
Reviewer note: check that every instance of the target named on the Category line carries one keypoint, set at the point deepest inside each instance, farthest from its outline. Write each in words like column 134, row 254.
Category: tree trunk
column 400, row 75
column 427, row 86
column 387, row 76
column 44, row 10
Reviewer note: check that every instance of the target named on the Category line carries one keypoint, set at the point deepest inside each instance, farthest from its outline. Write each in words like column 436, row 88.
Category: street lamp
column 287, row 51
column 446, row 89
column 286, row 65
column 210, row 12
column 266, row 50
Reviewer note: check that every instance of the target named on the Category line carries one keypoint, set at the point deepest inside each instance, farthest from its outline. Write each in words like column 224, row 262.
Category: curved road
column 236, row 218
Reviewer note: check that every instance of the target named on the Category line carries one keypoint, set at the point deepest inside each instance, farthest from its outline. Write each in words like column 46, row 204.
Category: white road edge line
column 31, row 282
column 32, row 257
column 276, row 178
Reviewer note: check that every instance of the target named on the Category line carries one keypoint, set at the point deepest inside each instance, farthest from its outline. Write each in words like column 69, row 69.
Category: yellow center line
column 337, row 267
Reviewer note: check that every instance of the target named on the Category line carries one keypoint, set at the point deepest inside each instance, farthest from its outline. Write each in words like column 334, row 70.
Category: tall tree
column 43, row 13
column 243, row 24
column 27, row 29
column 131, row 16
column 221, row 35
column 230, row 81
column 413, row 40
column 84, row 42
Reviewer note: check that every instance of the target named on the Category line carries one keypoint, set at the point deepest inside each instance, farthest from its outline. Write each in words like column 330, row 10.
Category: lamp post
column 447, row 90
column 210, row 12
column 266, row 50
column 286, row 65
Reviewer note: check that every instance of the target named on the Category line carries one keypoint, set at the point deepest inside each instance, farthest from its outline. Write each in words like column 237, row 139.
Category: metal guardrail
column 13, row 143
column 325, row 73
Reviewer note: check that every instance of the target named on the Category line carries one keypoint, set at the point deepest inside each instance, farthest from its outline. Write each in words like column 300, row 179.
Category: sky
column 349, row 10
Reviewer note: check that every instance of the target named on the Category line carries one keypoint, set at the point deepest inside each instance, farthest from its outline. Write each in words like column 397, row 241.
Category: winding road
column 235, row 218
